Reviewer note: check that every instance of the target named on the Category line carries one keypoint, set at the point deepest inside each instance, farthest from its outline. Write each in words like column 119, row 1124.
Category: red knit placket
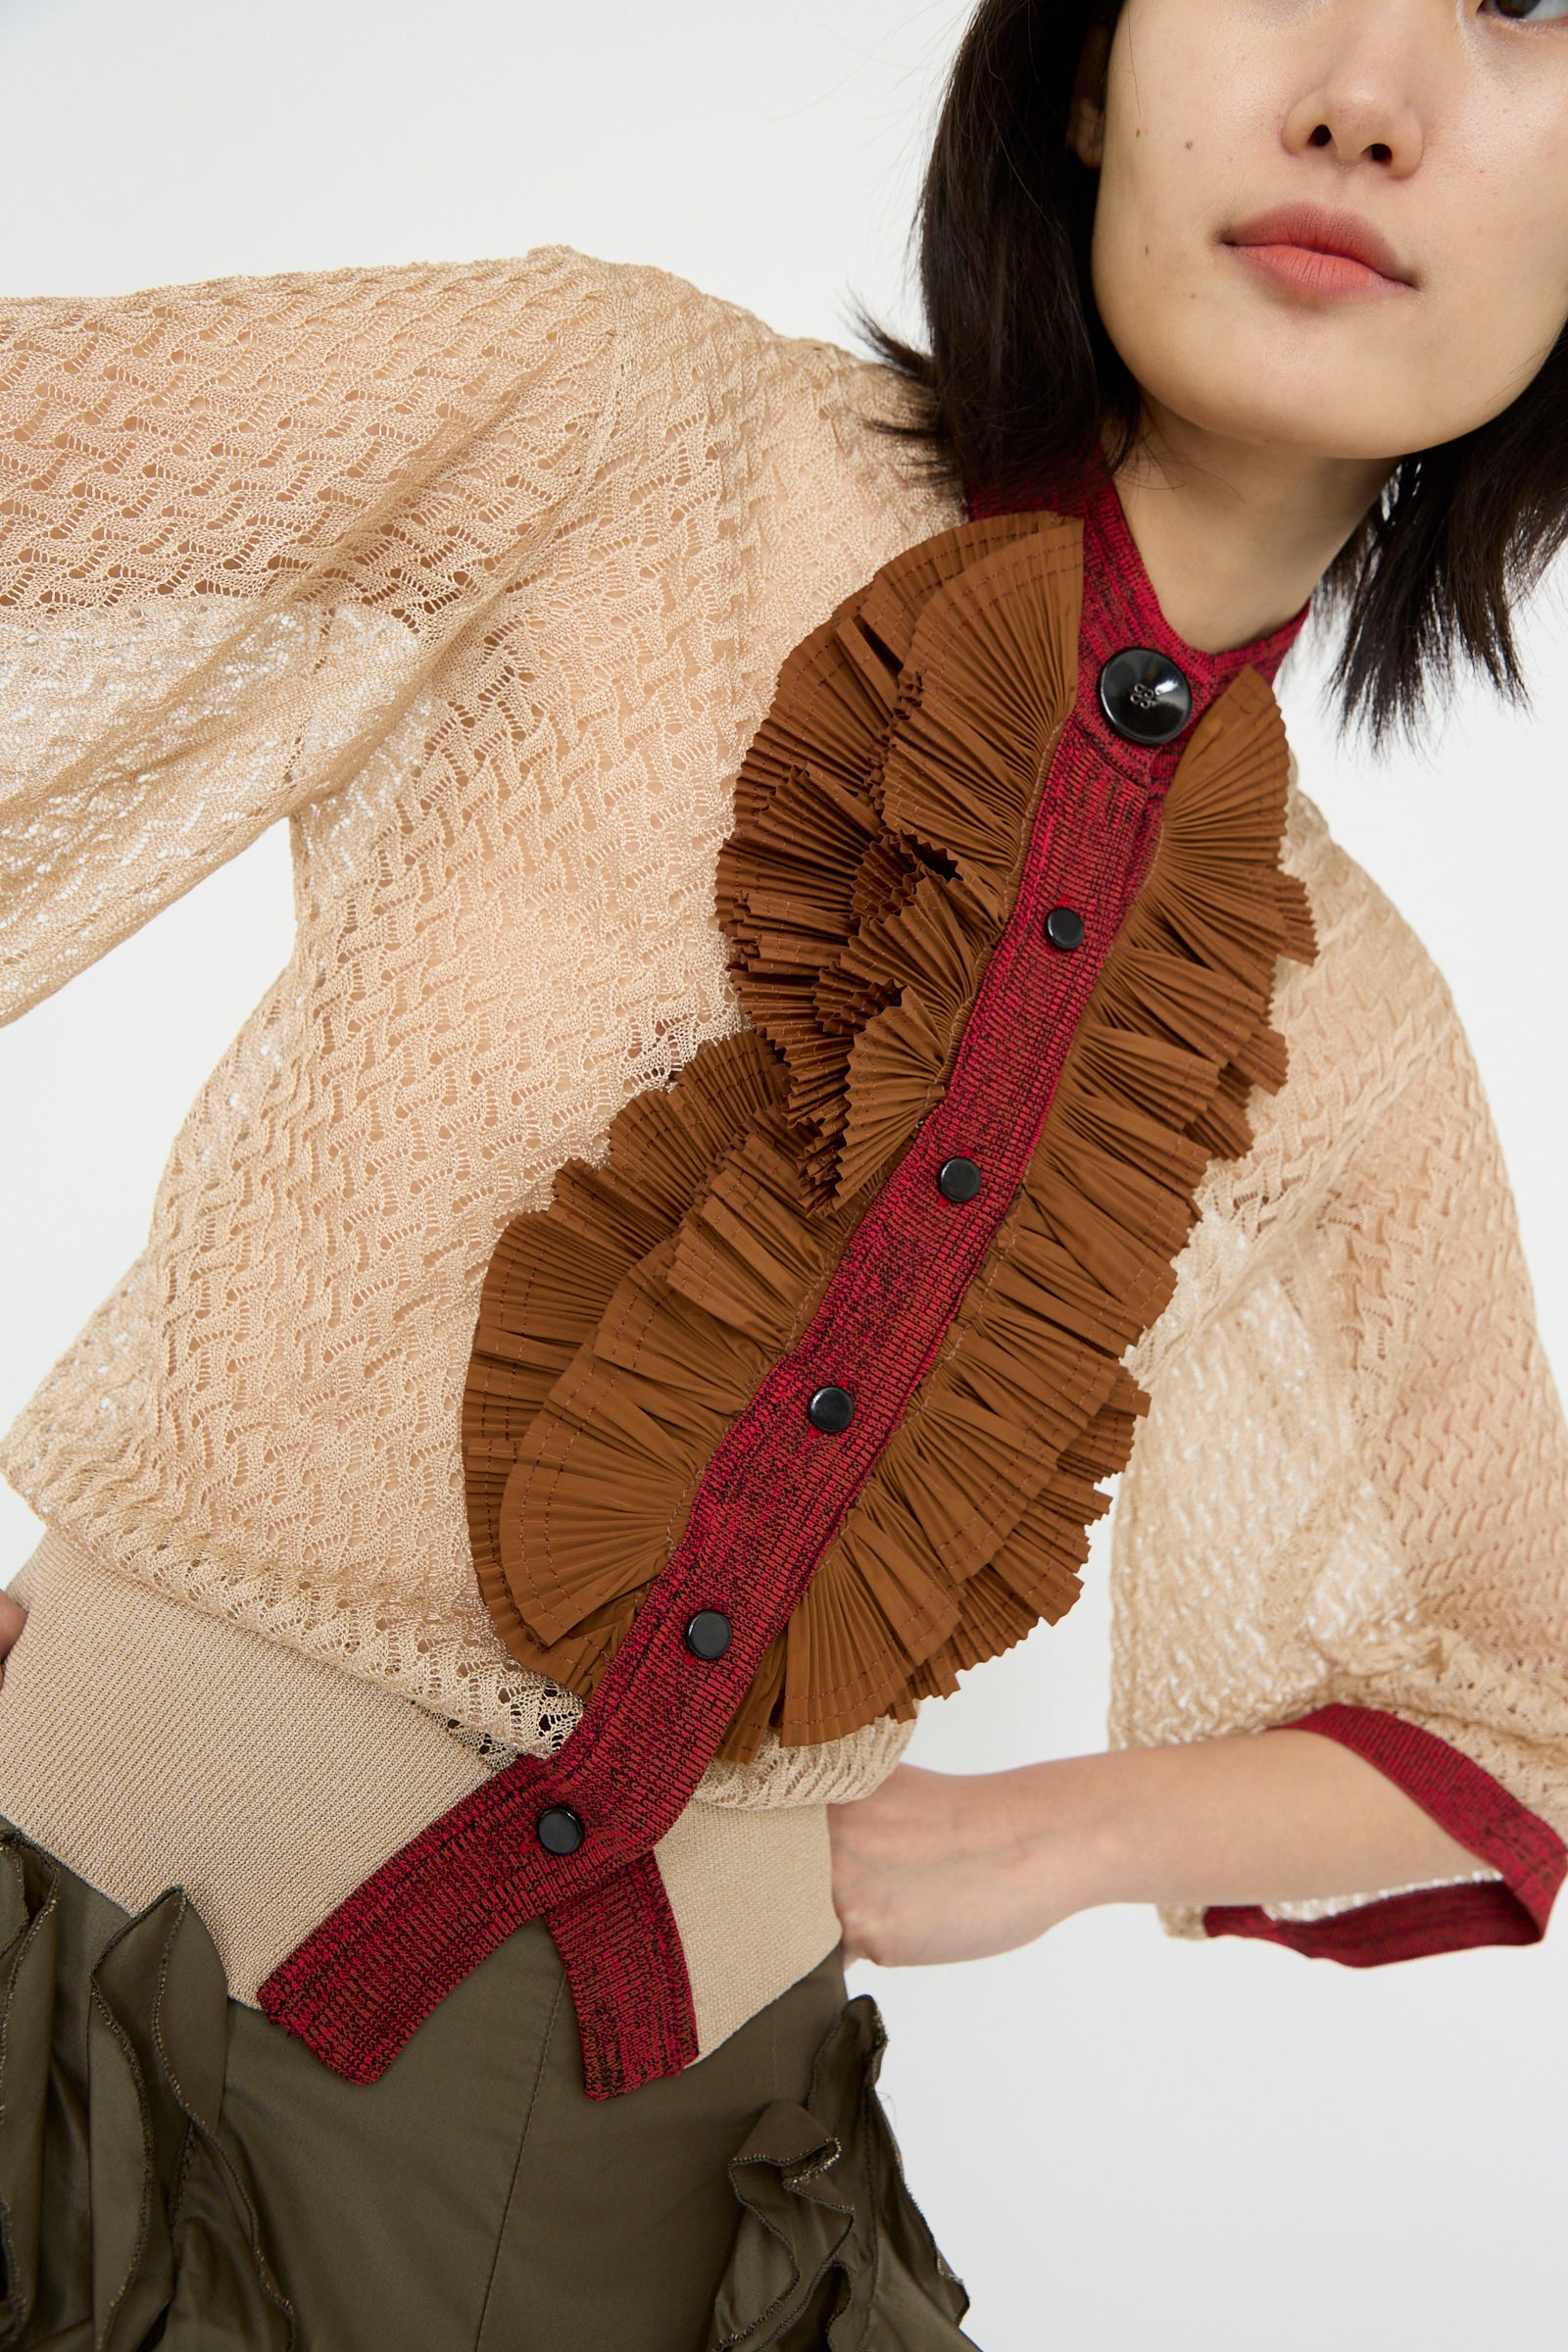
column 776, row 1491
column 772, row 1501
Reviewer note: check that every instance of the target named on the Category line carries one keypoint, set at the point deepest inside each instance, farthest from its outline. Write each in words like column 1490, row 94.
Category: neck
column 1234, row 536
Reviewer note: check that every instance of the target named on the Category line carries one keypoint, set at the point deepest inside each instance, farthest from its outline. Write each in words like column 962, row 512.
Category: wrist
column 1072, row 1834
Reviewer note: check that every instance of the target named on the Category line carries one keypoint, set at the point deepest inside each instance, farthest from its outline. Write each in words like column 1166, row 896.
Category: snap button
column 831, row 1410
column 958, row 1181
column 1145, row 695
column 560, row 1829
column 710, row 1635
column 1065, row 928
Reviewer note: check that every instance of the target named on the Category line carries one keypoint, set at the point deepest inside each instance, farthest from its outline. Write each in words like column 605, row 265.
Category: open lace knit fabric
column 884, row 811
column 482, row 578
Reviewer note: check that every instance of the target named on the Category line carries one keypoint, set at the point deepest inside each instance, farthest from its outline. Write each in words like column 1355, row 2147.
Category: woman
column 597, row 1368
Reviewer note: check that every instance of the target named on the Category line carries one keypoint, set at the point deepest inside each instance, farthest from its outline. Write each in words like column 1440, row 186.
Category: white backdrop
column 1120, row 2141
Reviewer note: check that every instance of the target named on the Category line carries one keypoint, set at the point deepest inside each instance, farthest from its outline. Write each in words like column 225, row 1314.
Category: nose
column 1361, row 108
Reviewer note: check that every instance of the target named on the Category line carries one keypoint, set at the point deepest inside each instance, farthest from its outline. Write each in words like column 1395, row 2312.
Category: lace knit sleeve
column 1358, row 1472
column 241, row 526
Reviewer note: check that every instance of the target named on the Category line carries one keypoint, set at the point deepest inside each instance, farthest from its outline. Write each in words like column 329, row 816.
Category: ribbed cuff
column 1467, row 1802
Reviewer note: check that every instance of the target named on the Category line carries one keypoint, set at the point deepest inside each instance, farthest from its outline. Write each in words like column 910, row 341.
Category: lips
column 1319, row 251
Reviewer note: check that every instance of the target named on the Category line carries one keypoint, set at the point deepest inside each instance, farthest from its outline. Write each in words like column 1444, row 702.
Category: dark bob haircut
column 1021, row 379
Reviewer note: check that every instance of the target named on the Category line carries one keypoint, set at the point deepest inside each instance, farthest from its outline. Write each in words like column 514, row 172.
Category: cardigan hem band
column 1420, row 1922
column 268, row 1785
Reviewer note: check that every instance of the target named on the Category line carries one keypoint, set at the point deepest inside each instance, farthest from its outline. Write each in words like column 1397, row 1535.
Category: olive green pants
column 176, row 2171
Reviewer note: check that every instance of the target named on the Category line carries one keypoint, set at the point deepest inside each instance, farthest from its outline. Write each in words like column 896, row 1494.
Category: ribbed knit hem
column 1474, row 1808
column 146, row 1744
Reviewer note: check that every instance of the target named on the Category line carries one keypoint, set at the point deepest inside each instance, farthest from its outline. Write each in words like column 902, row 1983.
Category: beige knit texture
column 1353, row 1482
column 482, row 576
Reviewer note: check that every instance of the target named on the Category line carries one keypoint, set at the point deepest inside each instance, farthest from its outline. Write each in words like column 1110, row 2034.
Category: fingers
column 13, row 1617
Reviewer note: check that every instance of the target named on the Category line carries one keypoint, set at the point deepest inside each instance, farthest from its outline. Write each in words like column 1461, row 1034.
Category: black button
column 709, row 1635
column 560, row 1829
column 1065, row 928
column 1145, row 695
column 831, row 1410
column 958, row 1181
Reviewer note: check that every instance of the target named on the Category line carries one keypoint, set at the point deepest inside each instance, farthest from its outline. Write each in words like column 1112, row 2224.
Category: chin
column 1319, row 412
column 1309, row 427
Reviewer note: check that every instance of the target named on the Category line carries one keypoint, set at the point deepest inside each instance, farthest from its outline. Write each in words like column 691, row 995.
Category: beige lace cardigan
column 482, row 577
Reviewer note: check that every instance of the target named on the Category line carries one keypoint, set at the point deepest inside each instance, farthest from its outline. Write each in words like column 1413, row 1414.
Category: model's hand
column 13, row 1617
column 940, row 1867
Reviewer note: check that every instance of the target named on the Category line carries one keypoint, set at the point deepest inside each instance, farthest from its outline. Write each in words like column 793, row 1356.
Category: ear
column 1086, row 115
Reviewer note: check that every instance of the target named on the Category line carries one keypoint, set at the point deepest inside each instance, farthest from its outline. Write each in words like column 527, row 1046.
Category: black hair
column 1020, row 381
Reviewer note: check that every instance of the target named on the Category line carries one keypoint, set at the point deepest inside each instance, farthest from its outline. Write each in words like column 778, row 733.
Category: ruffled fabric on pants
column 122, row 2221
column 175, row 2171
column 832, row 2250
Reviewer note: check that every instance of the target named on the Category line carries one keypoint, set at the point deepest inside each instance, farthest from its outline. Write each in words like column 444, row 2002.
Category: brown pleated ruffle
column 882, row 819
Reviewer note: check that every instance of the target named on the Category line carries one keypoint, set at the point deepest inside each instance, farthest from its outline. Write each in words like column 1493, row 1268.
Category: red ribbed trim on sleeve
column 1473, row 1808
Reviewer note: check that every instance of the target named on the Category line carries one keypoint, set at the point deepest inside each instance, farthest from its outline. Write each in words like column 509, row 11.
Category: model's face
column 1429, row 137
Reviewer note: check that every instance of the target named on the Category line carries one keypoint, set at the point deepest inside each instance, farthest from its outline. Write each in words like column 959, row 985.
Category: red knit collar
column 1120, row 607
